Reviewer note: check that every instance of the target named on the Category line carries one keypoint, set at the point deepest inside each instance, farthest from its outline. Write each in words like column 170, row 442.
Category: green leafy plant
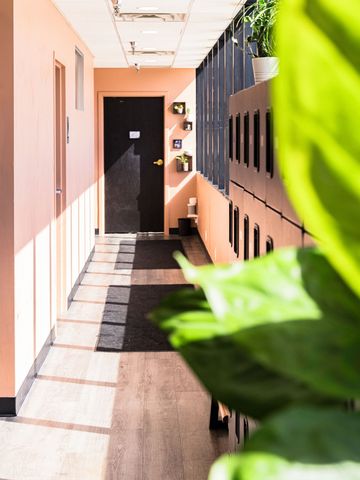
column 287, row 333
column 286, row 351
column 179, row 107
column 317, row 97
column 261, row 16
column 183, row 158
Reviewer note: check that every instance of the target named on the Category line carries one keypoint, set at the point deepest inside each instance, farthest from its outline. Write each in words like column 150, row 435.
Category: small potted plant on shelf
column 183, row 161
column 261, row 16
column 179, row 108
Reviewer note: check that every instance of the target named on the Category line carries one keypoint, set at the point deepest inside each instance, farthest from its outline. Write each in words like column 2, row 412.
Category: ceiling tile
column 162, row 6
column 108, row 37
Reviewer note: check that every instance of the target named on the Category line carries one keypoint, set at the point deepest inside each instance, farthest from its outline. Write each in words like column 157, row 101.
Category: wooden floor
column 95, row 415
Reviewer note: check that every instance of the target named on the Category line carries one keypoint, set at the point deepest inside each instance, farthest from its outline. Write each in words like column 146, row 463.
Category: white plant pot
column 265, row 68
column 191, row 209
column 185, row 167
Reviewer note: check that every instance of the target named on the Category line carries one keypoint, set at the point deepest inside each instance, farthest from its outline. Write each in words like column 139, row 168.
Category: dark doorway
column 134, row 184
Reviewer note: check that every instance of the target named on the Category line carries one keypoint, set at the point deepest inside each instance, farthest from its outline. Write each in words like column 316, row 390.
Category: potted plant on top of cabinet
column 261, row 16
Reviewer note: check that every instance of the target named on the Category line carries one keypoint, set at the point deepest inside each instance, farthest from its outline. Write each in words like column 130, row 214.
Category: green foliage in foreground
column 317, row 104
column 261, row 345
column 299, row 444
column 280, row 334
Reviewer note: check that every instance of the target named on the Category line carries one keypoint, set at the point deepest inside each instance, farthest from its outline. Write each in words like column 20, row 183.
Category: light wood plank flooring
column 95, row 415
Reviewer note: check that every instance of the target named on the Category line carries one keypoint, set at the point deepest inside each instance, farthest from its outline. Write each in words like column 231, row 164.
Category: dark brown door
column 134, row 184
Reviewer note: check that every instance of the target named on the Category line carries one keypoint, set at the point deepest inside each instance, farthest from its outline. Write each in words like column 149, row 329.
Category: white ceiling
column 182, row 43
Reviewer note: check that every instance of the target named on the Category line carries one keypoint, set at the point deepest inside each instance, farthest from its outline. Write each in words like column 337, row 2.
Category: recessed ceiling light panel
column 149, row 17
column 158, row 53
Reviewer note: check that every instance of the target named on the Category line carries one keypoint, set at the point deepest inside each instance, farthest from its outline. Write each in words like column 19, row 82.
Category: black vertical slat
column 246, row 126
column 203, row 132
column 269, row 245
column 256, row 241
column 222, row 112
column 257, row 140
column 237, row 138
column 236, row 230
column 269, row 144
column 237, row 426
column 231, row 143
column 231, row 212
column 249, row 76
column 246, row 237
column 238, row 58
column 228, row 92
column 206, row 118
column 233, row 53
column 211, row 117
column 216, row 115
column 199, row 93
column 246, row 429
column 244, row 55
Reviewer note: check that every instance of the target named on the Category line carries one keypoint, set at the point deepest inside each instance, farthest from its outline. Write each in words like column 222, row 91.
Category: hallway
column 114, row 415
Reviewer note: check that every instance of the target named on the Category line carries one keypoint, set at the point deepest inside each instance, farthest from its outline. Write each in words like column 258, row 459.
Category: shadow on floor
column 148, row 254
column 125, row 326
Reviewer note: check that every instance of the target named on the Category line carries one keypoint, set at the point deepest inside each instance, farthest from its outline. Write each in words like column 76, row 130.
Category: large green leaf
column 300, row 444
column 275, row 337
column 225, row 367
column 235, row 377
column 317, row 120
column 282, row 312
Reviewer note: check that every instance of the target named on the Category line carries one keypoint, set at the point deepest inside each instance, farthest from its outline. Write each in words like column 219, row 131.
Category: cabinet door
column 291, row 234
column 273, row 230
column 274, row 185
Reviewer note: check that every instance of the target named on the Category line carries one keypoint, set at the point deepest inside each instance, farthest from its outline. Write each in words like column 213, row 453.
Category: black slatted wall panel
column 222, row 114
column 226, row 70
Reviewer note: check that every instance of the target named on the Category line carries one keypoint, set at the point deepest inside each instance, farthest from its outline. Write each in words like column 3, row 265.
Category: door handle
column 159, row 162
column 58, row 191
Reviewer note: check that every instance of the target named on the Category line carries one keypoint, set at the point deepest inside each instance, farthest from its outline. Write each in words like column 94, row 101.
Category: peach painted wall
column 6, row 199
column 213, row 227
column 41, row 35
column 174, row 85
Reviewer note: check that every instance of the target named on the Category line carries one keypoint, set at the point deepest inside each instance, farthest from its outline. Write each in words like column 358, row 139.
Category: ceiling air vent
column 149, row 17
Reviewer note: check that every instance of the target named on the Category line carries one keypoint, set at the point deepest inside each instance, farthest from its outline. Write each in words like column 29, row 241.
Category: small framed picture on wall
column 177, row 144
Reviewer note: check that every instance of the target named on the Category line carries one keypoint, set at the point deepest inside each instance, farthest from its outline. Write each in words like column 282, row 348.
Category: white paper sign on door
column 134, row 134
